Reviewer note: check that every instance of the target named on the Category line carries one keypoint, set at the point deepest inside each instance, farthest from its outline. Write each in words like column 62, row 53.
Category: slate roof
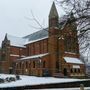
column 37, row 35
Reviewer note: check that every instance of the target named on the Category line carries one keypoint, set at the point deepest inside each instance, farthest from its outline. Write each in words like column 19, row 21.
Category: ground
column 32, row 80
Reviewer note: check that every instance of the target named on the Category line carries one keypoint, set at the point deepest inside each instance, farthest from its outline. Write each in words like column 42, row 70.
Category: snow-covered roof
column 34, row 56
column 28, row 42
column 37, row 35
column 73, row 60
column 22, row 41
column 16, row 41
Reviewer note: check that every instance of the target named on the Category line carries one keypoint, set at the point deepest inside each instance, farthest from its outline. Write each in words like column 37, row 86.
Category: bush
column 17, row 77
column 7, row 79
column 12, row 79
column 2, row 80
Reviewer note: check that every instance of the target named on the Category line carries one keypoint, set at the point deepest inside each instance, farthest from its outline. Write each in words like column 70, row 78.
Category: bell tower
column 53, row 20
column 53, row 38
column 5, row 48
column 5, row 55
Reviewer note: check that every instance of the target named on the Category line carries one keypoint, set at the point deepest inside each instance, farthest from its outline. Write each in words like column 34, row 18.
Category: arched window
column 67, row 43
column 44, row 64
column 71, row 70
column 33, row 64
column 71, row 43
column 28, row 50
column 26, row 64
column 20, row 65
column 78, row 70
column 29, row 64
column 57, row 66
column 75, row 70
column 17, row 65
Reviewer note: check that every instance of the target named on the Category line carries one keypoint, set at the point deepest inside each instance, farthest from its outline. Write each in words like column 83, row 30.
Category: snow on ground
column 32, row 80
column 86, row 88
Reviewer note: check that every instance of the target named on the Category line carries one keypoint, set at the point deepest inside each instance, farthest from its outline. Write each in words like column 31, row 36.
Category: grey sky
column 13, row 15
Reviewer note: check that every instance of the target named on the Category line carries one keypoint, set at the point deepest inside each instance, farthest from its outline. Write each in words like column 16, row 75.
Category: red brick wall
column 18, row 51
column 27, row 66
column 38, row 47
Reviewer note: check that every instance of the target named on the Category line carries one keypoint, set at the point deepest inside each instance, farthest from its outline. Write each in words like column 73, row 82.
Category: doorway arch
column 65, row 72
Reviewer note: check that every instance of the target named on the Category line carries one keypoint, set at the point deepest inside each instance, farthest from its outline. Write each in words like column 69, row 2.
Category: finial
column 6, row 37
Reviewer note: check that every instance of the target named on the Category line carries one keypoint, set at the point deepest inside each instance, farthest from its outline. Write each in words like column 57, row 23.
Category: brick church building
column 52, row 51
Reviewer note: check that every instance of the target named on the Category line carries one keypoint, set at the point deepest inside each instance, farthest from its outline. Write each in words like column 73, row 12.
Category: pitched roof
column 37, row 35
column 34, row 56
column 16, row 41
column 73, row 60
column 32, row 41
column 22, row 41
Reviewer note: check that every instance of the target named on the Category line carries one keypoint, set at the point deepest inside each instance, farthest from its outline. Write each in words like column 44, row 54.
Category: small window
column 75, row 70
column 26, row 64
column 17, row 65
column 71, row 70
column 29, row 64
column 44, row 64
column 20, row 65
column 78, row 70
column 33, row 64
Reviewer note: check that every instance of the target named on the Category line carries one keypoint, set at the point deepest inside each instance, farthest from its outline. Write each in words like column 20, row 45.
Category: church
column 53, row 51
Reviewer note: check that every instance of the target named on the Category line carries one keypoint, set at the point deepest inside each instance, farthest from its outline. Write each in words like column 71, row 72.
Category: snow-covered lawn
column 32, row 80
column 86, row 88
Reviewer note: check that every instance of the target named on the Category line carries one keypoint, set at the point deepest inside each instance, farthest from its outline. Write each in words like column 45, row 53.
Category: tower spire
column 6, row 37
column 53, row 12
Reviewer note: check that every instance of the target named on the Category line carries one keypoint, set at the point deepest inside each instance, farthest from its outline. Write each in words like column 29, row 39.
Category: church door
column 65, row 72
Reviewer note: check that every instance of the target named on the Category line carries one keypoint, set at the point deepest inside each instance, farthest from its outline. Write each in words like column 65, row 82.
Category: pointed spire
column 53, row 11
column 71, row 15
column 6, row 37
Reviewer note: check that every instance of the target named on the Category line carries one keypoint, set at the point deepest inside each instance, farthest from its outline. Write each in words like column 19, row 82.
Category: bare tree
column 81, row 12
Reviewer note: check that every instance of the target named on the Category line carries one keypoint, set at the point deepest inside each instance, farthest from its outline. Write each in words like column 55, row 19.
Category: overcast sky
column 14, row 14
